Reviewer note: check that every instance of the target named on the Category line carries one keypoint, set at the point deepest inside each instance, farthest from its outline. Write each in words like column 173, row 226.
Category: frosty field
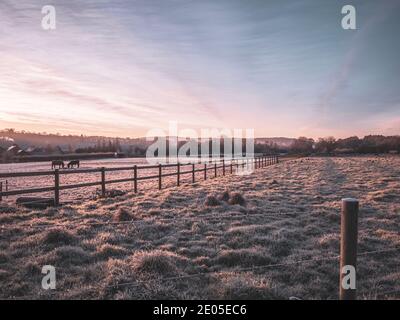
column 273, row 234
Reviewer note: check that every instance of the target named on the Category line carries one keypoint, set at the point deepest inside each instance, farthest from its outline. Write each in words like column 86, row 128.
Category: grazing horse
column 57, row 163
column 73, row 163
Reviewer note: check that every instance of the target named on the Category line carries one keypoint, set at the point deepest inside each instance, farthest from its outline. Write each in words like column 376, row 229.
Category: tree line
column 351, row 145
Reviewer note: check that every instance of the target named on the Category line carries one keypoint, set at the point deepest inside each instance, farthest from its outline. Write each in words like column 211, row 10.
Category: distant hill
column 27, row 139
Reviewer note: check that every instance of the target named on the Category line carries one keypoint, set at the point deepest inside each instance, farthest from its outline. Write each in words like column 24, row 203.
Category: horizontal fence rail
column 181, row 170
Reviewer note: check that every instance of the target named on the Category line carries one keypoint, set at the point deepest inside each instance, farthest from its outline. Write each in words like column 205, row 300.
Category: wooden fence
column 226, row 166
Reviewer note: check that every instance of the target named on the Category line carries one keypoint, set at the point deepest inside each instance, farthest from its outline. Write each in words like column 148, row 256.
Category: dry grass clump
column 237, row 198
column 106, row 251
column 330, row 240
column 280, row 248
column 211, row 201
column 66, row 255
column 122, row 214
column 51, row 211
column 156, row 262
column 246, row 286
column 243, row 257
column 199, row 227
column 273, row 182
column 224, row 196
column 58, row 237
column 111, row 193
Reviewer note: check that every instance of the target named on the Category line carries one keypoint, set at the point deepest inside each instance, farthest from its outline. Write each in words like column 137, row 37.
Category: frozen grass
column 159, row 241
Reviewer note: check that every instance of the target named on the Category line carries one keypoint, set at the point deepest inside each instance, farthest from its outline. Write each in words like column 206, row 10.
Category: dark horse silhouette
column 73, row 163
column 57, row 163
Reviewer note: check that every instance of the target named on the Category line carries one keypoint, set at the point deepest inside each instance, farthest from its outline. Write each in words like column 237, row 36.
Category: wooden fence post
column 178, row 174
column 277, row 159
column 56, row 187
column 223, row 166
column 1, row 190
column 215, row 169
column 193, row 172
column 159, row 176
column 205, row 171
column 103, row 182
column 231, row 166
column 135, row 178
column 348, row 248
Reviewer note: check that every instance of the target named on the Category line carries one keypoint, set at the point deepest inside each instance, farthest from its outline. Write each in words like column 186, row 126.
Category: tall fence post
column 159, row 176
column 193, row 172
column 205, row 171
column 277, row 159
column 215, row 169
column 135, row 178
column 223, row 166
column 103, row 182
column 178, row 174
column 231, row 166
column 348, row 248
column 1, row 190
column 56, row 187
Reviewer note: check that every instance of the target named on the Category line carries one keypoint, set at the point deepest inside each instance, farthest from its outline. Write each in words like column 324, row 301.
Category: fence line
column 252, row 268
column 237, row 270
column 256, row 162
column 246, row 269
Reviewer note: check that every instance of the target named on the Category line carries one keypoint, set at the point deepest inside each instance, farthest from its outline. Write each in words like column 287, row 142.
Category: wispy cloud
column 283, row 68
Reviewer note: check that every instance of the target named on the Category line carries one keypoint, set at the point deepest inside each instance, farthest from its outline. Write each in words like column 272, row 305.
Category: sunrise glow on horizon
column 284, row 68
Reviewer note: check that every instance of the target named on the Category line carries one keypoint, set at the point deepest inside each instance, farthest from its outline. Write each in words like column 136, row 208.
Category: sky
column 124, row 67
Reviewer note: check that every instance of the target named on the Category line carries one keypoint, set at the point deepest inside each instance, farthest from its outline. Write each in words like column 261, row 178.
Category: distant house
column 22, row 153
column 13, row 150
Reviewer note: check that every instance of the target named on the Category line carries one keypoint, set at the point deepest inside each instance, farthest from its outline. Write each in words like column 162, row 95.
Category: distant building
column 13, row 150
column 22, row 153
